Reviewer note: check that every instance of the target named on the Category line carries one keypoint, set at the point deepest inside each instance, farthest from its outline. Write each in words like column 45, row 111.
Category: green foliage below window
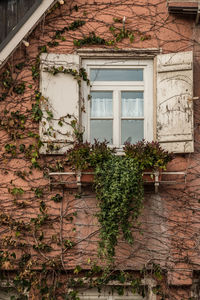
column 118, row 184
column 119, row 189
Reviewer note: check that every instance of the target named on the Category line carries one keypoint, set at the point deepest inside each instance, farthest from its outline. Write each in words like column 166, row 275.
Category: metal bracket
column 156, row 175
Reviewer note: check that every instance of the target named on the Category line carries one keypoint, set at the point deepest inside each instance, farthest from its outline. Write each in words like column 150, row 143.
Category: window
column 7, row 293
column 130, row 100
column 121, row 101
column 110, row 293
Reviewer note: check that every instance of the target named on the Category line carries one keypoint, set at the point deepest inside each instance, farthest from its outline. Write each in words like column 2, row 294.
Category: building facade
column 116, row 70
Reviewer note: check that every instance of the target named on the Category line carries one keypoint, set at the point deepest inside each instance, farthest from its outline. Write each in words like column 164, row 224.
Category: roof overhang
column 183, row 7
column 25, row 30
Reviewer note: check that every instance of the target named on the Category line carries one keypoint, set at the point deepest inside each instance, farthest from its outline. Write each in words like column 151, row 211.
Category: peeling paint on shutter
column 174, row 101
column 62, row 94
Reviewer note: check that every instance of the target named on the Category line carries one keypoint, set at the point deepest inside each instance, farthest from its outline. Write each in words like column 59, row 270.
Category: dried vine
column 45, row 242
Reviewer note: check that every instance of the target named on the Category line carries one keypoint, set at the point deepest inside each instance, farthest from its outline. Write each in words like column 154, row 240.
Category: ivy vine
column 119, row 189
column 118, row 180
column 118, row 184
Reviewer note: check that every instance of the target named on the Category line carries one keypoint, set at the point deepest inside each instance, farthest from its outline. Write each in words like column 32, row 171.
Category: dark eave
column 183, row 7
column 24, row 28
column 20, row 23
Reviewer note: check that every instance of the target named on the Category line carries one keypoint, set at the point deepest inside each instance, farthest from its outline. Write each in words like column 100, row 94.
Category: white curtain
column 101, row 107
column 132, row 107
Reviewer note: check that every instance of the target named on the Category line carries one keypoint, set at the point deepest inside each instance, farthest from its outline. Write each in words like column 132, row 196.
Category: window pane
column 116, row 74
column 132, row 131
column 101, row 104
column 101, row 130
column 132, row 104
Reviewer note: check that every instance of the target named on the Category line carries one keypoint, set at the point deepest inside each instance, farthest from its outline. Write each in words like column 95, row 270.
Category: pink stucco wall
column 170, row 220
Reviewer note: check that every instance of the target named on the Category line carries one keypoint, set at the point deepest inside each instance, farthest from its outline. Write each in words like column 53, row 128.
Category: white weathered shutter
column 61, row 98
column 174, row 101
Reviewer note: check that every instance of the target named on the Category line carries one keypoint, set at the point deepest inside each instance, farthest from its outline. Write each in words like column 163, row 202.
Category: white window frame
column 7, row 289
column 146, row 86
column 110, row 293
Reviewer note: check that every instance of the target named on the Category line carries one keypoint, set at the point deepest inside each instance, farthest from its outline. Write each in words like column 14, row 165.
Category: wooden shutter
column 61, row 98
column 174, row 101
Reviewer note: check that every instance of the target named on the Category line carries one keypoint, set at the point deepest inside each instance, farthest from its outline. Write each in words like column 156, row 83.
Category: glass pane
column 132, row 104
column 132, row 131
column 101, row 130
column 101, row 104
column 116, row 74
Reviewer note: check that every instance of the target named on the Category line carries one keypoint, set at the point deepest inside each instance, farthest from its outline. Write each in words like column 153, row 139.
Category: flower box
column 152, row 176
column 87, row 176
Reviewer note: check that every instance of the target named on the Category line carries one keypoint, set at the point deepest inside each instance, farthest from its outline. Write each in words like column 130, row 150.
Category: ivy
column 118, row 180
column 32, row 154
column 10, row 148
column 91, row 39
column 42, row 49
column 118, row 184
column 68, row 244
column 78, row 75
column 18, row 116
column 19, row 88
column 20, row 66
column 38, row 193
column 36, row 67
column 24, row 259
column 6, row 79
column 119, row 189
column 13, row 122
column 57, row 198
column 36, row 110
column 40, row 220
column 3, row 96
column 75, row 7
column 17, row 191
column 22, row 148
column 42, row 247
column 53, row 44
column 119, row 34
column 73, row 26
column 76, row 24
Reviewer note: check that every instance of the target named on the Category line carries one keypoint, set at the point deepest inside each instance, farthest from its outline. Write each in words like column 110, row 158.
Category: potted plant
column 150, row 156
column 85, row 157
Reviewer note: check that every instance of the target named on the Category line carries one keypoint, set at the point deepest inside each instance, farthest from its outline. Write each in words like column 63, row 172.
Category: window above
column 110, row 293
column 120, row 106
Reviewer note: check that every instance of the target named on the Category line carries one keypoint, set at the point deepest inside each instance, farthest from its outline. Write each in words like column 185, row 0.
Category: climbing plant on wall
column 40, row 227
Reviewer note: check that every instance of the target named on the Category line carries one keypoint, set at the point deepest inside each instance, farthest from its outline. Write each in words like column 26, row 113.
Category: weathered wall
column 30, row 220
